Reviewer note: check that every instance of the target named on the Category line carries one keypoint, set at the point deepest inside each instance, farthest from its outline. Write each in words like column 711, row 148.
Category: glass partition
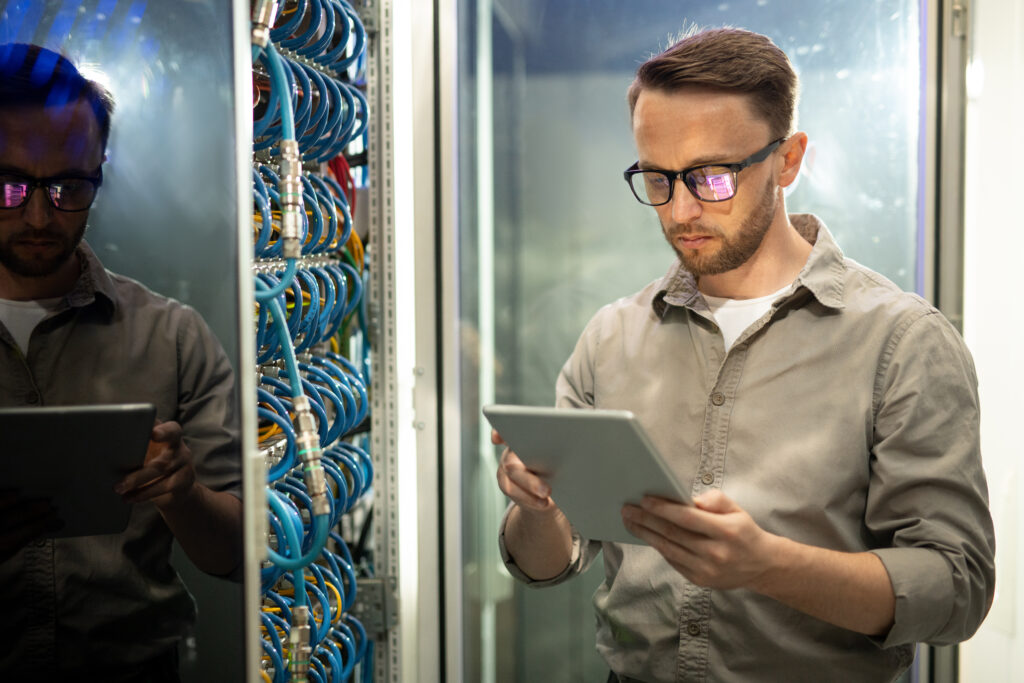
column 548, row 231
column 167, row 212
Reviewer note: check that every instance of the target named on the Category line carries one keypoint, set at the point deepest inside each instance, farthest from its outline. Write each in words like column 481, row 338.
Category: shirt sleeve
column 928, row 499
column 207, row 409
column 574, row 389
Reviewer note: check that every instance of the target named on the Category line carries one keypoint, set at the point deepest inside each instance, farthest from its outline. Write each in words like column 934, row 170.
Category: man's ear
column 792, row 156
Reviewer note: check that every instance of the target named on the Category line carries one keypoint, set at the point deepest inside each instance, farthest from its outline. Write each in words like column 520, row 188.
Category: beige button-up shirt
column 846, row 417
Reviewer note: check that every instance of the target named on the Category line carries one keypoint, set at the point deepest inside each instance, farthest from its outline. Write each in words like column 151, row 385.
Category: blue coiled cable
column 286, row 29
column 297, row 40
column 287, row 461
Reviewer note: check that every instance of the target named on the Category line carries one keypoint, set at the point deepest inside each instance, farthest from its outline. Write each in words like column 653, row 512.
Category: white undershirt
column 733, row 316
column 21, row 317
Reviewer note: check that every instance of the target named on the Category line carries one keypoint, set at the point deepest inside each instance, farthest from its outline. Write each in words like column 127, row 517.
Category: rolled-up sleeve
column 578, row 560
column 927, row 505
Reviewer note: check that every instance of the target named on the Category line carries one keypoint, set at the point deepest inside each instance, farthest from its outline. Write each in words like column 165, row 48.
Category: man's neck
column 14, row 287
column 775, row 264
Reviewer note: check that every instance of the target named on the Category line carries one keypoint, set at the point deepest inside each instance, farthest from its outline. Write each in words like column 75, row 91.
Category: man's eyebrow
column 706, row 160
column 63, row 173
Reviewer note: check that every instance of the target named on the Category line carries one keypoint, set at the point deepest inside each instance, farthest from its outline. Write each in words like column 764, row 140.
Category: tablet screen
column 73, row 456
column 595, row 461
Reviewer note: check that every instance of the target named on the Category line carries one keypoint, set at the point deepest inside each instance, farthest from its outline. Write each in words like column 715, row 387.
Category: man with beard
column 111, row 606
column 826, row 422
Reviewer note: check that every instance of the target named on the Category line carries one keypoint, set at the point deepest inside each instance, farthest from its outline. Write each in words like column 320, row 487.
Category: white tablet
column 73, row 456
column 595, row 461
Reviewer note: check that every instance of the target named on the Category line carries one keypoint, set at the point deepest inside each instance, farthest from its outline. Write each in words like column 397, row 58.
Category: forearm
column 540, row 542
column 208, row 526
column 850, row 590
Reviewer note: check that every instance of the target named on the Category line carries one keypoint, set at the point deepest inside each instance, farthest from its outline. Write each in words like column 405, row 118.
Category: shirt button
column 708, row 478
column 32, row 397
column 718, row 398
column 693, row 628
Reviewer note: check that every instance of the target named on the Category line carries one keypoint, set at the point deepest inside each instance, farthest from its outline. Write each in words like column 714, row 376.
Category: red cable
column 343, row 174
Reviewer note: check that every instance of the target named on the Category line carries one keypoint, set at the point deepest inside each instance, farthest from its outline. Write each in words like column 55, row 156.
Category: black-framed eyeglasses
column 65, row 194
column 707, row 182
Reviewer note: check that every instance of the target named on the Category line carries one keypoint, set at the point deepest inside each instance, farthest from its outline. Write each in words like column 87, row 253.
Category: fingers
column 521, row 485
column 713, row 543
column 167, row 468
column 160, row 489
column 716, row 501
column 156, row 468
column 705, row 517
column 166, row 432
column 496, row 438
column 653, row 524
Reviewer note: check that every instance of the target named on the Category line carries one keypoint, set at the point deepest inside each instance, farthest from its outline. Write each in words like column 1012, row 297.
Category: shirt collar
column 822, row 275
column 93, row 285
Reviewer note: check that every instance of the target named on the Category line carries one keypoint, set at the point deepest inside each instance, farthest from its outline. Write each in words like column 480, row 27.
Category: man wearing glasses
column 74, row 333
column 827, row 422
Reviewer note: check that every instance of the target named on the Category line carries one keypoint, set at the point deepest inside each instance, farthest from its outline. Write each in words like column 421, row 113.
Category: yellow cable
column 266, row 676
column 268, row 432
column 337, row 597
column 355, row 247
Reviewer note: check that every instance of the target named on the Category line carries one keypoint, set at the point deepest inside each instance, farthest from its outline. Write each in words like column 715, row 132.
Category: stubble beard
column 38, row 267
column 734, row 251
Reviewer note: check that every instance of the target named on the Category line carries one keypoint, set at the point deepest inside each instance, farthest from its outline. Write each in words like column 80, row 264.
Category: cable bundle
column 310, row 118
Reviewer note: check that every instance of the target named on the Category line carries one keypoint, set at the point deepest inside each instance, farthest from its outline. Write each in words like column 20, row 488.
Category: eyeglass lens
column 710, row 183
column 69, row 194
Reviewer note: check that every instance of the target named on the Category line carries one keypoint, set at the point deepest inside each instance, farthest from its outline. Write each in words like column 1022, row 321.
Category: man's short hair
column 34, row 76
column 731, row 60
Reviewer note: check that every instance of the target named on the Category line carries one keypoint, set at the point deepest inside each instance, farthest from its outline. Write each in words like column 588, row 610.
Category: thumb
column 166, row 432
column 715, row 501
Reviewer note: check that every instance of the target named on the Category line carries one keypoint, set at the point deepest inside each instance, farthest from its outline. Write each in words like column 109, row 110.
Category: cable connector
column 290, row 191
column 262, row 19
column 298, row 640
column 308, row 447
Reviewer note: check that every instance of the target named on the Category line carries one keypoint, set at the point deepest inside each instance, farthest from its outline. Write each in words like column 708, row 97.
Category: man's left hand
column 713, row 543
column 167, row 475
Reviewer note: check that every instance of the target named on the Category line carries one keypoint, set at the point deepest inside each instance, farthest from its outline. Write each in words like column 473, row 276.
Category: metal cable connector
column 308, row 448
column 290, row 190
column 262, row 18
column 298, row 640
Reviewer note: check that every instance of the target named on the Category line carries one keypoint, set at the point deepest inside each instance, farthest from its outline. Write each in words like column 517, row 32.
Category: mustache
column 692, row 229
column 31, row 234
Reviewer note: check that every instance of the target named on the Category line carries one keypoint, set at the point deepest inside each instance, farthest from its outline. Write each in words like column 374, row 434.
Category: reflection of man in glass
column 825, row 422
column 109, row 607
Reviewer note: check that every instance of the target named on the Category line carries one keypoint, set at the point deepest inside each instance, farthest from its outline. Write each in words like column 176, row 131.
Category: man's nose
column 685, row 207
column 37, row 211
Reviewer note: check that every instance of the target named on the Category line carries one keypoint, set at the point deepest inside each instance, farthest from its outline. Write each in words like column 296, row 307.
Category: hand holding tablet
column 595, row 461
column 71, row 457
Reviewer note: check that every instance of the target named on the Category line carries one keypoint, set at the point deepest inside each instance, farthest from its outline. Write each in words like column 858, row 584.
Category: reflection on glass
column 542, row 88
column 74, row 333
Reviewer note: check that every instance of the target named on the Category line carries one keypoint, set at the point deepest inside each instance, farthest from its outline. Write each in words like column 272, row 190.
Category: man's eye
column 69, row 185
column 12, row 191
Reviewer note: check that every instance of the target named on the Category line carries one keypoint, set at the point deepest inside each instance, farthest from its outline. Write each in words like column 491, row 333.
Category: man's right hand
column 524, row 487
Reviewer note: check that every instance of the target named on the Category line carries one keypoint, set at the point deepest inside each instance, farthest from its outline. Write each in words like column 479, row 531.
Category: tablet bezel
column 74, row 455
column 579, row 453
